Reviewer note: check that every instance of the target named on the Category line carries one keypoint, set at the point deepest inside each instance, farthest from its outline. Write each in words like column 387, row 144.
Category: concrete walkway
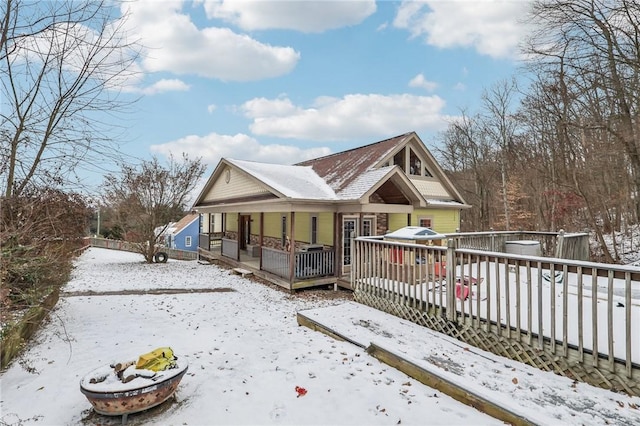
column 508, row 390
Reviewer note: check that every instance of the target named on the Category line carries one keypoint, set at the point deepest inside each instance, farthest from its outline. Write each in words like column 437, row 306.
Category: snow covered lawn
column 246, row 354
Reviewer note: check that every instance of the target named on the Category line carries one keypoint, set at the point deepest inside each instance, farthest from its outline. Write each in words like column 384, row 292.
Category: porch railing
column 314, row 264
column 211, row 241
column 307, row 265
column 229, row 248
column 276, row 262
column 580, row 319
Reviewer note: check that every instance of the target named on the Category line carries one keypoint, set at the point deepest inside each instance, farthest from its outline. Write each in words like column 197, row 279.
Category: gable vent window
column 415, row 165
column 398, row 160
column 427, row 173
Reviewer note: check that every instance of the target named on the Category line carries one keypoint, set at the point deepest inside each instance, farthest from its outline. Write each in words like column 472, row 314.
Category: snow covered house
column 294, row 224
column 183, row 235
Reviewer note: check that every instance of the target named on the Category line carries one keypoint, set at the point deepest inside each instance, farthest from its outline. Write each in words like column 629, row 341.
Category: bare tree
column 500, row 123
column 149, row 196
column 63, row 67
column 590, row 50
column 468, row 154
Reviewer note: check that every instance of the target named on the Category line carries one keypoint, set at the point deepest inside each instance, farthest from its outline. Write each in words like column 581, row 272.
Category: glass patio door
column 349, row 230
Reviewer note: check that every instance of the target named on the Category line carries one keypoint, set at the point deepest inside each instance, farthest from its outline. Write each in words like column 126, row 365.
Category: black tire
column 161, row 257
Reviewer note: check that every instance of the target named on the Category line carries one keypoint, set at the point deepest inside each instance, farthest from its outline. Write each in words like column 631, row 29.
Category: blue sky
column 285, row 81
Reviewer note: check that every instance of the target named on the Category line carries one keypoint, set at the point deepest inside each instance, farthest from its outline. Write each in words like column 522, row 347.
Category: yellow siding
column 444, row 221
column 397, row 221
column 303, row 227
column 273, row 224
column 325, row 228
column 232, row 222
column 255, row 224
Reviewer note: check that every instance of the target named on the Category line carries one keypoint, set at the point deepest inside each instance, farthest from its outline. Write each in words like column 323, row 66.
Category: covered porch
column 293, row 266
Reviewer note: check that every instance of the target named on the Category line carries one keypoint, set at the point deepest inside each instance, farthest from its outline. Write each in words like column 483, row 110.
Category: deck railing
column 572, row 317
column 552, row 244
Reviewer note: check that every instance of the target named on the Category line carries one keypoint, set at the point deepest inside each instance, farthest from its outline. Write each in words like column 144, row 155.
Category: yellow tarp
column 157, row 360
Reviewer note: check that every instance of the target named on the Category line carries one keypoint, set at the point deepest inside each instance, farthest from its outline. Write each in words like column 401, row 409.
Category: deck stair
column 242, row 272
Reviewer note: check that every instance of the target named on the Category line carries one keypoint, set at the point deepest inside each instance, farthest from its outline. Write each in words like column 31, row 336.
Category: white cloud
column 175, row 44
column 211, row 108
column 353, row 116
column 460, row 87
column 212, row 147
column 420, row 81
column 491, row 27
column 303, row 16
column 166, row 85
column 106, row 56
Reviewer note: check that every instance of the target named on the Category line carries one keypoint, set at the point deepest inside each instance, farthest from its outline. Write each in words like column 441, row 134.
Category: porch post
column 336, row 272
column 238, row 226
column 337, row 244
column 260, row 237
column 292, row 247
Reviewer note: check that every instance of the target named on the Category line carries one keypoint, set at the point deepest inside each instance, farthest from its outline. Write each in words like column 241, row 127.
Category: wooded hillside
column 564, row 151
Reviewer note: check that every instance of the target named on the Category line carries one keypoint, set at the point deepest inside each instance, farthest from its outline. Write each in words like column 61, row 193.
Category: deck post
column 292, row 248
column 451, row 280
column 560, row 244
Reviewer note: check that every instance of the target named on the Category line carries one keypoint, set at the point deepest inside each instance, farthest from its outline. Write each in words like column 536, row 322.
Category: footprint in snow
column 278, row 412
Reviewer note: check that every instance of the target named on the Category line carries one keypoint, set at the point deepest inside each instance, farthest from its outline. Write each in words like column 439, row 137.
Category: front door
column 244, row 238
column 349, row 231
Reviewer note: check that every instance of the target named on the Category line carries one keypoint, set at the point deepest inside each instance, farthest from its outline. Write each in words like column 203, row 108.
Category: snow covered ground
column 246, row 354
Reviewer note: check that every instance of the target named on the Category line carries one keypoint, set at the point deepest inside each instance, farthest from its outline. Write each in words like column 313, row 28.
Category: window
column 398, row 159
column 367, row 226
column 314, row 230
column 284, row 231
column 415, row 165
column 425, row 222
column 187, row 241
column 212, row 223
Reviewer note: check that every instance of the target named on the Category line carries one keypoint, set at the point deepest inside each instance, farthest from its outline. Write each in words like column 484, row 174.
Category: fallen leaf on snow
column 301, row 391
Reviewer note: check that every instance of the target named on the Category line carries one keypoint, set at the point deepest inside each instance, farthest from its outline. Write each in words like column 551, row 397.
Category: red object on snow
column 301, row 391
column 462, row 291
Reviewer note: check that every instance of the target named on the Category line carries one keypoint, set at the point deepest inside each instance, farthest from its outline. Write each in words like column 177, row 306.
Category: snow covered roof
column 363, row 183
column 290, row 181
column 414, row 233
column 445, row 203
